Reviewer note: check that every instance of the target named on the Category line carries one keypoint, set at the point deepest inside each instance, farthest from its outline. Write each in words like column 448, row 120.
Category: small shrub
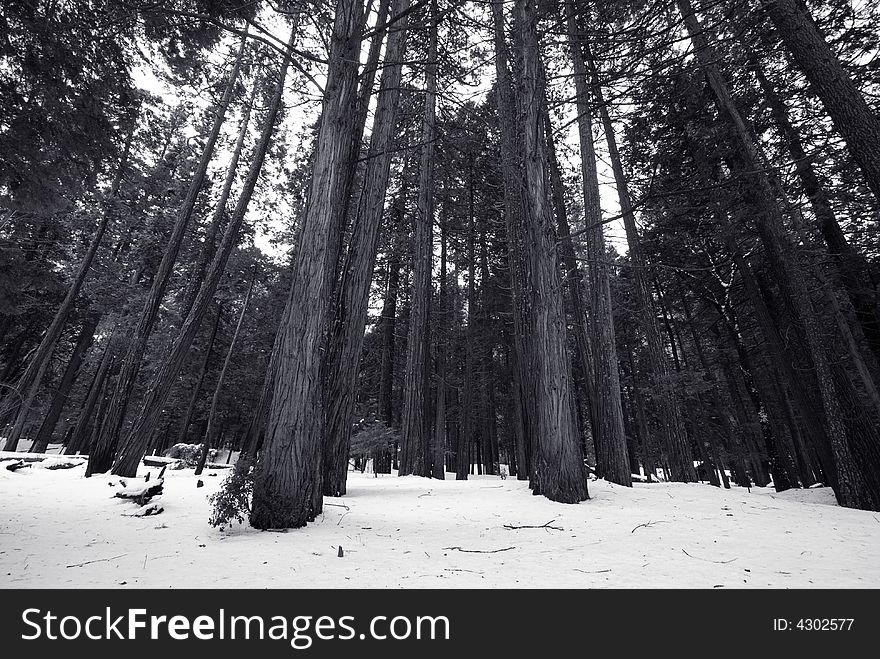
column 232, row 501
column 370, row 438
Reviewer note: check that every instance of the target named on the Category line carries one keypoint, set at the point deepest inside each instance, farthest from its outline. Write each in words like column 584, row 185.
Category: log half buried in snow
column 152, row 508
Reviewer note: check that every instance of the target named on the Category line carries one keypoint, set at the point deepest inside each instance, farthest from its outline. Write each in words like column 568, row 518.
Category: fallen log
column 142, row 492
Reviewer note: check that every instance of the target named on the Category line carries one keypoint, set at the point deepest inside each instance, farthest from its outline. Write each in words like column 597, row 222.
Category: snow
column 61, row 530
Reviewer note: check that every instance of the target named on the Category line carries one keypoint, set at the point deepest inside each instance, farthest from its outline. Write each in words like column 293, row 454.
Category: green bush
column 232, row 501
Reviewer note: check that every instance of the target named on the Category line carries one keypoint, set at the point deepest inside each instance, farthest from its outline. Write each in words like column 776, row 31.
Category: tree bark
column 350, row 309
column 287, row 481
column 574, row 281
column 415, row 443
column 439, row 445
column 612, row 460
column 209, row 246
column 557, row 458
column 514, row 214
column 672, row 435
column 388, row 322
column 467, row 437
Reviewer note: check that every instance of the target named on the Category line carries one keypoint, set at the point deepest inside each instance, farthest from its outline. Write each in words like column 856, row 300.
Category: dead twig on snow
column 647, row 524
column 541, row 526
column 97, row 560
column 708, row 560
column 480, row 551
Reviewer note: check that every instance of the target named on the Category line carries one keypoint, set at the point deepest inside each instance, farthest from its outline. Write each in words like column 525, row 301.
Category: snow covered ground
column 61, row 530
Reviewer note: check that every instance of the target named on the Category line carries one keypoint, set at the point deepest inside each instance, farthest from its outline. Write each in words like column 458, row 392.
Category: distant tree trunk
column 487, row 364
column 672, row 435
column 215, row 399
column 853, row 118
column 102, row 455
column 388, row 322
column 287, row 481
column 514, row 214
column 442, row 334
column 47, row 428
column 466, row 438
column 253, row 437
column 78, row 440
column 29, row 383
column 415, row 444
column 203, row 371
column 612, row 460
column 353, row 292
column 557, row 458
column 720, row 405
column 135, row 445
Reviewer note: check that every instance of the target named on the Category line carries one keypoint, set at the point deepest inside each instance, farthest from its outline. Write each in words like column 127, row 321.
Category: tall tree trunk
column 341, row 202
column 388, row 323
column 852, row 267
column 102, row 454
column 467, row 436
column 487, row 394
column 853, row 118
column 212, row 413
column 612, row 460
column 514, row 214
column 209, row 246
column 135, row 445
column 573, row 279
column 287, row 481
column 439, row 445
column 47, row 428
column 29, row 383
column 672, row 435
column 557, row 458
column 350, row 308
column 415, row 444
column 853, row 489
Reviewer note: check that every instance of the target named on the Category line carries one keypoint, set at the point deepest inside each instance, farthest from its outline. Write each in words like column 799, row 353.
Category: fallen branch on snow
column 97, row 560
column 708, row 560
column 541, row 526
column 480, row 551
column 648, row 524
